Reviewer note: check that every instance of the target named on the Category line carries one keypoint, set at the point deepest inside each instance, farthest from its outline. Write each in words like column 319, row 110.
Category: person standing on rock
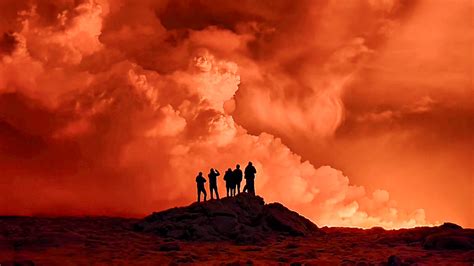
column 213, row 174
column 200, row 180
column 237, row 178
column 250, row 172
column 229, row 182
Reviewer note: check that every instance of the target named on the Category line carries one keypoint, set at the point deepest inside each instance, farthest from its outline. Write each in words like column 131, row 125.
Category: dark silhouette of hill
column 244, row 218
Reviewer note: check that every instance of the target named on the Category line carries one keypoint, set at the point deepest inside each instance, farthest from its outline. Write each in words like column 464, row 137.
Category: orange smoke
column 111, row 107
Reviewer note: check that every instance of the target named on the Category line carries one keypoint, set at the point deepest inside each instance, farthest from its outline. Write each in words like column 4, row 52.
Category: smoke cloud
column 111, row 107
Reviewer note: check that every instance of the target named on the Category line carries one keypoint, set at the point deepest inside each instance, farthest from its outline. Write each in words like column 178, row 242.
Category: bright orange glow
column 355, row 113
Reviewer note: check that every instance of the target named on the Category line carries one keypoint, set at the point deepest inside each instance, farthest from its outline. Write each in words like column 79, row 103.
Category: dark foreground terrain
column 236, row 231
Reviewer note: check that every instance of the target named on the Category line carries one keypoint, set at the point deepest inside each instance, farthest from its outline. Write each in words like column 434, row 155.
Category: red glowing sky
column 355, row 113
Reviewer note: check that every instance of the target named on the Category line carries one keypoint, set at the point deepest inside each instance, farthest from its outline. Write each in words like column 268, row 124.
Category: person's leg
column 204, row 192
column 217, row 192
column 252, row 187
column 210, row 189
column 199, row 194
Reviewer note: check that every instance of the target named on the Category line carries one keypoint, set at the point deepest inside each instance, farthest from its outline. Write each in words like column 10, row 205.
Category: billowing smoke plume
column 112, row 106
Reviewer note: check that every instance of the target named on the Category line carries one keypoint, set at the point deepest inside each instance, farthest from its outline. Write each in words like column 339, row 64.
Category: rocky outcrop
column 244, row 218
column 450, row 236
column 447, row 236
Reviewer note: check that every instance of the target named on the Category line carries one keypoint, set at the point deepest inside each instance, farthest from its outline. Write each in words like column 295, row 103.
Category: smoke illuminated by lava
column 111, row 107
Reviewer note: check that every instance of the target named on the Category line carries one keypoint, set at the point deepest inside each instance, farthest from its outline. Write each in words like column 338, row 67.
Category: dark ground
column 118, row 241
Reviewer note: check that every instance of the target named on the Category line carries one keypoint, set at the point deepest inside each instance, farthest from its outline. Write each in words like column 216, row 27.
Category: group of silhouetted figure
column 232, row 178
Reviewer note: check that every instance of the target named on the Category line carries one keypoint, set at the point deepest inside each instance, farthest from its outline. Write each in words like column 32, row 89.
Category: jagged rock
column 445, row 236
column 450, row 226
column 244, row 219
column 449, row 236
column 394, row 261
column 170, row 247
column 377, row 230
column 450, row 240
column 17, row 263
column 279, row 218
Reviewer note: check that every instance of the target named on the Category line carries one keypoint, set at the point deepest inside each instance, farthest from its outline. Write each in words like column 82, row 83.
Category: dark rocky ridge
column 448, row 236
column 244, row 218
column 98, row 240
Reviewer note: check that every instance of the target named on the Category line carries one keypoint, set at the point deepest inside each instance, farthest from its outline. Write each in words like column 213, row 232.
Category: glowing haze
column 355, row 113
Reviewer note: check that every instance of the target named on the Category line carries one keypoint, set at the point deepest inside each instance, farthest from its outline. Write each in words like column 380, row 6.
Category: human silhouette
column 213, row 174
column 250, row 172
column 229, row 182
column 237, row 173
column 200, row 180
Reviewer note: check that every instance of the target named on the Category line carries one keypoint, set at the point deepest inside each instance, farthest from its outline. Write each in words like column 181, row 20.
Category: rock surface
column 394, row 261
column 450, row 236
column 447, row 236
column 111, row 241
column 244, row 218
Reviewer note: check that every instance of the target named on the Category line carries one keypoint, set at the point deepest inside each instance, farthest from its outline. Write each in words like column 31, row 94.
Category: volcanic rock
column 244, row 219
column 17, row 263
column 448, row 225
column 449, row 236
column 170, row 247
column 450, row 240
column 394, row 261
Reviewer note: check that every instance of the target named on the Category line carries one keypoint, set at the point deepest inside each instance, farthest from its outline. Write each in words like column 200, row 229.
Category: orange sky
column 355, row 113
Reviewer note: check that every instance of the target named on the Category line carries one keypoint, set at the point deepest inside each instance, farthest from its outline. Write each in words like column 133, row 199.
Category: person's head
column 250, row 163
column 200, row 173
column 238, row 166
column 212, row 170
column 230, row 170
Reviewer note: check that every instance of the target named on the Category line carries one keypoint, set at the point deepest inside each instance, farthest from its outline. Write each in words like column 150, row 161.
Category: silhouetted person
column 237, row 178
column 200, row 180
column 229, row 181
column 250, row 172
column 213, row 174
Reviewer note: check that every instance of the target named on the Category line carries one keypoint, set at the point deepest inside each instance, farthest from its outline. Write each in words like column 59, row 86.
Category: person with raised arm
column 213, row 174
